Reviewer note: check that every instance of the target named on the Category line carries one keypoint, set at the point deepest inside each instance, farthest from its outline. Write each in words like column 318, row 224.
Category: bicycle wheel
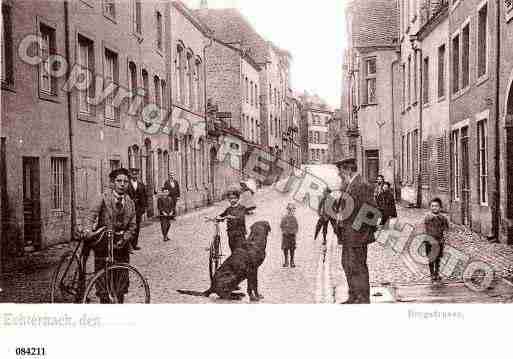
column 68, row 281
column 117, row 284
column 214, row 257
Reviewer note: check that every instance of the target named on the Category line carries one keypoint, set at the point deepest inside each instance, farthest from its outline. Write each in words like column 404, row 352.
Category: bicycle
column 214, row 250
column 116, row 283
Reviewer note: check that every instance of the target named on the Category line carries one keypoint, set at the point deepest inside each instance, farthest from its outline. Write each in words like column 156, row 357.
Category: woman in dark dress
column 386, row 204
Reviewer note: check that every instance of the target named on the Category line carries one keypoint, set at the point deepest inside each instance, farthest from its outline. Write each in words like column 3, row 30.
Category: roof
column 230, row 26
column 375, row 23
column 188, row 13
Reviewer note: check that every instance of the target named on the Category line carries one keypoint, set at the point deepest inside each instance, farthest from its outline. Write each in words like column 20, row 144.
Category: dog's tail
column 195, row 293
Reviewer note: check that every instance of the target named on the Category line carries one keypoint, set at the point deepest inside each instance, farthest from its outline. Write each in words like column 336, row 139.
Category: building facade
column 97, row 86
column 373, row 34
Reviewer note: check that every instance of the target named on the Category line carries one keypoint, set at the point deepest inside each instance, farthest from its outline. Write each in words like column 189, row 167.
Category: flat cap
column 117, row 172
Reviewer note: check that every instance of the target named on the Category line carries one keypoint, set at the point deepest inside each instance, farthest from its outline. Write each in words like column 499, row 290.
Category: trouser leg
column 346, row 266
column 360, row 274
column 135, row 240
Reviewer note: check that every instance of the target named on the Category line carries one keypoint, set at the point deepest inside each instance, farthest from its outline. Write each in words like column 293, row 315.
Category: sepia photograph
column 329, row 154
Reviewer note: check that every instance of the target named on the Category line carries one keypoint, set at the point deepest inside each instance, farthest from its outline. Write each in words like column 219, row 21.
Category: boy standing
column 236, row 224
column 436, row 225
column 165, row 207
column 289, row 228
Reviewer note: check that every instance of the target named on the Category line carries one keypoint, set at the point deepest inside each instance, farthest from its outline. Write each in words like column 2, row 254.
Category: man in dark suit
column 357, row 222
column 174, row 192
column 137, row 192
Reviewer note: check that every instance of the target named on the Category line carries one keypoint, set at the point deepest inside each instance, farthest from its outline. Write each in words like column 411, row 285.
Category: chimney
column 203, row 4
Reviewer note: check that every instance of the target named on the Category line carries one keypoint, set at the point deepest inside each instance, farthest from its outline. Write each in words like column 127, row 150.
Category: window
column 482, row 41
column 370, row 81
column 157, row 89
column 47, row 83
column 164, row 96
column 159, row 30
column 132, row 84
column 403, row 156
column 408, row 157
column 86, row 61
column 310, row 136
column 58, row 166
column 415, row 69
column 190, row 82
column 455, row 64
column 482, row 158
column 465, row 56
column 257, row 99
column 197, row 85
column 415, row 155
column 137, row 17
column 179, row 74
column 409, row 81
column 251, row 93
column 252, row 138
column 7, row 48
column 455, row 164
column 109, row 8
column 403, row 73
column 247, row 90
column 146, row 87
column 441, row 71
column 425, row 90
column 111, row 76
column 270, row 94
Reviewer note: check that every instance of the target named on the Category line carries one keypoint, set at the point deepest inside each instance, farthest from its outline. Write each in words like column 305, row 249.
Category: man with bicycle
column 115, row 211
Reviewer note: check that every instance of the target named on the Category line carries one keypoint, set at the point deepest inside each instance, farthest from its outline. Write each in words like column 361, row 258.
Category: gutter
column 70, row 123
column 394, row 184
column 496, row 215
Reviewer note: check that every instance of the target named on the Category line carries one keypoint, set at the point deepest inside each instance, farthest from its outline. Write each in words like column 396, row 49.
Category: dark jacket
column 237, row 224
column 103, row 213
column 436, row 225
column 165, row 204
column 139, row 197
column 362, row 193
column 174, row 191
column 289, row 224
column 386, row 203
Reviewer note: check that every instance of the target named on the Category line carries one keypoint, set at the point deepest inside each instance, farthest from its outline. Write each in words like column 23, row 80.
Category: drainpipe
column 393, row 125
column 496, row 215
column 205, row 101
column 415, row 48
column 70, row 121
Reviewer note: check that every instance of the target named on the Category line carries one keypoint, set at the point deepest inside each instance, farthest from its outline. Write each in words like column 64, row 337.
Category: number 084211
column 30, row 351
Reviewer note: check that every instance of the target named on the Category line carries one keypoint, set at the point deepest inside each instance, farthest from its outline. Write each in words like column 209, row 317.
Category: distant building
column 315, row 117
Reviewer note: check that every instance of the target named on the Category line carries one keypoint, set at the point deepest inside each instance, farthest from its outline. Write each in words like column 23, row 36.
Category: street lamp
column 415, row 45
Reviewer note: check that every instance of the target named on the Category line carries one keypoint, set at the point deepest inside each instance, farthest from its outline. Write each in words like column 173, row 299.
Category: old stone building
column 190, row 148
column 372, row 28
column 231, row 27
column 233, row 87
column 315, row 117
column 96, row 86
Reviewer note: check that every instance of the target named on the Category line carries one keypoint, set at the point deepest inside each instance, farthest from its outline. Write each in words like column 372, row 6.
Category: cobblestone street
column 182, row 263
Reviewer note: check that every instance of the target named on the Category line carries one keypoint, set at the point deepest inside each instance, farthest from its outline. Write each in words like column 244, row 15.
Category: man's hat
column 117, row 172
column 345, row 162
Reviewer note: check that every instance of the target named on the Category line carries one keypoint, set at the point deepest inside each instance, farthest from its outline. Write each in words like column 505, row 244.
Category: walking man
column 137, row 192
column 174, row 192
column 354, row 231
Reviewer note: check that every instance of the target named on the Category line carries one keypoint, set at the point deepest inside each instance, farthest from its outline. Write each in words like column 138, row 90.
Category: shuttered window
column 58, row 166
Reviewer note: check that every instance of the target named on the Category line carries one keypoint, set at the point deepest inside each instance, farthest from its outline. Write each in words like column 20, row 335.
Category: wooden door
column 31, row 204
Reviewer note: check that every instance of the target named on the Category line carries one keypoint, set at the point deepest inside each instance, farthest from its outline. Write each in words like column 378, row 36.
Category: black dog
column 242, row 264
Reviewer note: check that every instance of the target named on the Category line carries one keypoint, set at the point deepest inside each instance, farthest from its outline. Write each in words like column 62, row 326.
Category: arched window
column 157, row 89
column 130, row 158
column 190, row 81
column 251, row 93
column 159, row 170
column 163, row 92
column 136, row 157
column 276, row 126
column 247, row 90
column 132, row 84
column 252, row 130
column 198, row 80
column 179, row 71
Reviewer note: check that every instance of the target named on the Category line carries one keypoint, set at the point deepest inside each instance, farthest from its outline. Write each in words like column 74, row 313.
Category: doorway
column 372, row 165
column 465, row 178
column 31, row 204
